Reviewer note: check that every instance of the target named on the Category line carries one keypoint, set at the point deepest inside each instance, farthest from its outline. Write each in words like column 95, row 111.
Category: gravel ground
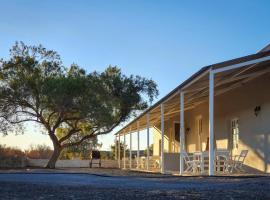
column 85, row 186
column 97, row 171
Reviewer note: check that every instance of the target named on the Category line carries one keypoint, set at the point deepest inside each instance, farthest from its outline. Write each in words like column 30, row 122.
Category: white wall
column 254, row 131
column 72, row 163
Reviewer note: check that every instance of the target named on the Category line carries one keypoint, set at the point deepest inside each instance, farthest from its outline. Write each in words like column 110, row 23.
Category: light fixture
column 257, row 110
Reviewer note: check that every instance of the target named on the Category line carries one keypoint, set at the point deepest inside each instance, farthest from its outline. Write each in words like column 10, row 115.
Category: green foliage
column 151, row 148
column 106, row 155
column 115, row 152
column 36, row 87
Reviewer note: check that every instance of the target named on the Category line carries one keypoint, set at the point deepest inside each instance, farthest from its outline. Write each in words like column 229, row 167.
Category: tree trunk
column 56, row 153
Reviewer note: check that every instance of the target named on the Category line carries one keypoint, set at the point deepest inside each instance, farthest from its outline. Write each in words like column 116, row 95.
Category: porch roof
column 196, row 87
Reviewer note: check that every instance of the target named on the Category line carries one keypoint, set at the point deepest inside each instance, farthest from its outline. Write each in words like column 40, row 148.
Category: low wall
column 171, row 161
column 72, row 163
column 12, row 162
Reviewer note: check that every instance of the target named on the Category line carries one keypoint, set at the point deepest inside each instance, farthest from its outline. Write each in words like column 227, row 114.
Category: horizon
column 146, row 38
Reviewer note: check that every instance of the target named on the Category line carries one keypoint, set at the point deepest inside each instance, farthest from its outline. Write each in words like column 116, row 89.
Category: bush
column 10, row 152
column 39, row 152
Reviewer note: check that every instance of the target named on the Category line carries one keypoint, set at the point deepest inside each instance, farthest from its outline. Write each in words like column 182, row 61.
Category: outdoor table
column 201, row 155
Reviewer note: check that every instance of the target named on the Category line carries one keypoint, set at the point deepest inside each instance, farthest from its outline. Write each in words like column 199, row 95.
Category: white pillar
column 130, row 148
column 162, row 138
column 138, row 147
column 119, row 152
column 182, row 131
column 115, row 148
column 148, row 127
column 211, row 124
column 124, row 151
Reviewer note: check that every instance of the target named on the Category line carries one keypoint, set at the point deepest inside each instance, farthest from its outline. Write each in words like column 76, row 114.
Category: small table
column 201, row 155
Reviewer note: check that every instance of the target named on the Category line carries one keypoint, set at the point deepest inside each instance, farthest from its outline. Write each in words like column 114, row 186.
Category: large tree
column 36, row 87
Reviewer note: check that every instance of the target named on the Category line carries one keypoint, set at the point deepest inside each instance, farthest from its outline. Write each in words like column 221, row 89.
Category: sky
column 165, row 40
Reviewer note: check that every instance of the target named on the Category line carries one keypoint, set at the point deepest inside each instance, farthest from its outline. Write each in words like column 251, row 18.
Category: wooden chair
column 95, row 159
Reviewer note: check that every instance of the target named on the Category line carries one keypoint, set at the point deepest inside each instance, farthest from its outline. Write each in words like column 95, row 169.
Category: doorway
column 199, row 130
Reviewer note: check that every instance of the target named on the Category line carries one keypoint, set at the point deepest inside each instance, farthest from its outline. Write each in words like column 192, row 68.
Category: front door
column 199, row 131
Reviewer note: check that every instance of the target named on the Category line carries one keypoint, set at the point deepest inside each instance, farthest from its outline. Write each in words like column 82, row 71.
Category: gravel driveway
column 87, row 186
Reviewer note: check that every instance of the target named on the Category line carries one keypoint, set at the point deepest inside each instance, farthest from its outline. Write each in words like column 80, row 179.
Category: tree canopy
column 35, row 86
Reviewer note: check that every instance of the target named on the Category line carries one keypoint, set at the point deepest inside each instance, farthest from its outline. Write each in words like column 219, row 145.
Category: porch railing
column 154, row 163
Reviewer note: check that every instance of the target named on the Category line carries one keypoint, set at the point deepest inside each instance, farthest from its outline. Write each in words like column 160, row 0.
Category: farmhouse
column 217, row 121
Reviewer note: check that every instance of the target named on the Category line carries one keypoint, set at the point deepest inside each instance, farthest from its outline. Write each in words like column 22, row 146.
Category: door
column 199, row 129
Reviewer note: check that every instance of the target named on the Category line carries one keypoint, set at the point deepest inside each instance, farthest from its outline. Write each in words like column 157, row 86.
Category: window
column 199, row 125
column 235, row 132
column 159, row 145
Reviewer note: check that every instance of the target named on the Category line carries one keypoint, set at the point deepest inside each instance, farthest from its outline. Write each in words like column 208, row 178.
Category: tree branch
column 70, row 133
column 25, row 120
column 91, row 135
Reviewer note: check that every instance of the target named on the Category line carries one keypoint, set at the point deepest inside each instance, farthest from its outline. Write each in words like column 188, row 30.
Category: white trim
column 138, row 143
column 211, row 123
column 162, row 138
column 148, row 126
column 116, row 147
column 235, row 66
column 124, row 151
column 130, row 148
column 182, row 131
column 119, row 152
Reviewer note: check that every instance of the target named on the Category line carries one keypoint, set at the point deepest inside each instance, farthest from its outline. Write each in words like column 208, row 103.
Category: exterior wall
column 239, row 103
column 71, row 163
column 254, row 130
column 12, row 162
column 171, row 162
column 170, row 144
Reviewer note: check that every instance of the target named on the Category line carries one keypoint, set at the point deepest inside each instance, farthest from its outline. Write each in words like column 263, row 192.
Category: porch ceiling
column 197, row 92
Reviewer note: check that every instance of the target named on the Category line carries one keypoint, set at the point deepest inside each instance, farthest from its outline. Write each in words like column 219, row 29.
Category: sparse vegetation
column 39, row 152
column 6, row 152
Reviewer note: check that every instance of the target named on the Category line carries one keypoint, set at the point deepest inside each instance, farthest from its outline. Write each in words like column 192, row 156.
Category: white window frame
column 235, row 132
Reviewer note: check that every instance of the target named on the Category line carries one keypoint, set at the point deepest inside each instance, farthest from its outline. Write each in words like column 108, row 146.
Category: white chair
column 237, row 162
column 192, row 165
column 222, row 158
column 154, row 162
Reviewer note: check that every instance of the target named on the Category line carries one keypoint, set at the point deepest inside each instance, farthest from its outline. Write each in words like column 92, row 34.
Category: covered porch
column 195, row 128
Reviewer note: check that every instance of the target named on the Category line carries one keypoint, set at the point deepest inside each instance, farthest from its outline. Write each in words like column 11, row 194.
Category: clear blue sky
column 164, row 40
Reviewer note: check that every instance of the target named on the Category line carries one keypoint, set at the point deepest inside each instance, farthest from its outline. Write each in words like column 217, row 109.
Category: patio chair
column 237, row 162
column 192, row 165
column 142, row 162
column 222, row 158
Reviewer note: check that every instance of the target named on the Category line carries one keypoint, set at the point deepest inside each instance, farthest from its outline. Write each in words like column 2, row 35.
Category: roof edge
column 195, row 75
